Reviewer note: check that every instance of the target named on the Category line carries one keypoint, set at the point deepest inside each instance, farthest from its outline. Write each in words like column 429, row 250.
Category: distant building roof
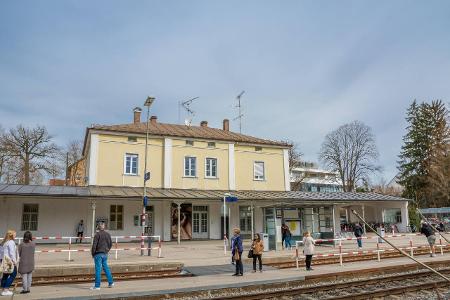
column 135, row 193
column 438, row 210
column 184, row 131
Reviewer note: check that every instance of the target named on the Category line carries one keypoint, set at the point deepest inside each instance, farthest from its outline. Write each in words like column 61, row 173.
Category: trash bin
column 265, row 240
column 381, row 231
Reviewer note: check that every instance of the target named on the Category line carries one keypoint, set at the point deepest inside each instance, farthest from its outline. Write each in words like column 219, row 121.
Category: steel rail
column 398, row 249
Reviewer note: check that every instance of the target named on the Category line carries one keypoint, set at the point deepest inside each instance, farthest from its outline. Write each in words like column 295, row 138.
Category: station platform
column 199, row 253
column 211, row 277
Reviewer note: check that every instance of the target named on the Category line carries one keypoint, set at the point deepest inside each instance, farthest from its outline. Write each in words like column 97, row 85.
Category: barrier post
column 411, row 246
column 296, row 254
column 159, row 247
column 225, row 244
column 70, row 248
column 378, row 250
column 440, row 243
column 149, row 247
column 340, row 252
column 115, row 245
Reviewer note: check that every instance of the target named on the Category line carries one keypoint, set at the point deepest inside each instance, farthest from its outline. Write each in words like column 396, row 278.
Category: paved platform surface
column 196, row 253
column 208, row 281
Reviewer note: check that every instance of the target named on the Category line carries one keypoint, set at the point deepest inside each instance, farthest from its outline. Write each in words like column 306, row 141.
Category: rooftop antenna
column 240, row 111
column 187, row 106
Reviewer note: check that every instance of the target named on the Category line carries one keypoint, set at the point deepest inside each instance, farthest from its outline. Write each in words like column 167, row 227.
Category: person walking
column 26, row 263
column 100, row 247
column 9, row 262
column 237, row 252
column 284, row 230
column 429, row 233
column 308, row 250
column 258, row 248
column 358, row 231
column 80, row 231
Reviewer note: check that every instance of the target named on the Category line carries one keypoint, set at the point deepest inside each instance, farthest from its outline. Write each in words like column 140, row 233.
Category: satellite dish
column 188, row 122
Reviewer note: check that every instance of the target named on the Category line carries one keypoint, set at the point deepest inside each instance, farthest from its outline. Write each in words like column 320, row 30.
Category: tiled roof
column 175, row 130
column 135, row 193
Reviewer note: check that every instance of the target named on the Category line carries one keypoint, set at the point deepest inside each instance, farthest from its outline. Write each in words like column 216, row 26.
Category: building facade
column 308, row 177
column 193, row 169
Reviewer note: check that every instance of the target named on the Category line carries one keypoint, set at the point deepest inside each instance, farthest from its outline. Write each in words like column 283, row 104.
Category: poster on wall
column 294, row 227
column 185, row 222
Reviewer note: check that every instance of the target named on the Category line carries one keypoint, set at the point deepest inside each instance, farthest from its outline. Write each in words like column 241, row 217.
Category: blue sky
column 307, row 66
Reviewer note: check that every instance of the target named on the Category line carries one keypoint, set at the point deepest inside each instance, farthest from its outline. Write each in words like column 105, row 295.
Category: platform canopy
column 136, row 193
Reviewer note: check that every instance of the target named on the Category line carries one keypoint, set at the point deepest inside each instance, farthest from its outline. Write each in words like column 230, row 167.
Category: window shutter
column 259, row 170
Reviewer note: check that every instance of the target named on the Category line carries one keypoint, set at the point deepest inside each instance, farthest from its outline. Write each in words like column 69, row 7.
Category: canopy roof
column 136, row 193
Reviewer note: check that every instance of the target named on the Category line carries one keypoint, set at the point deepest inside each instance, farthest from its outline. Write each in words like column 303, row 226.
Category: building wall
column 201, row 151
column 273, row 159
column 111, row 157
column 108, row 155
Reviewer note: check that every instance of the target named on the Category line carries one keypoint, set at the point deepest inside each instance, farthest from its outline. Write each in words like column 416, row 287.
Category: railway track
column 352, row 258
column 117, row 276
column 380, row 287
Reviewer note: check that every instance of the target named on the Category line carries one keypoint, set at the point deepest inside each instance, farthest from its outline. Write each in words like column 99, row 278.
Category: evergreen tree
column 423, row 164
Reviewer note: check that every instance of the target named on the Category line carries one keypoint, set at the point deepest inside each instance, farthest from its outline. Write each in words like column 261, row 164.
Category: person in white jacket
column 308, row 250
column 9, row 249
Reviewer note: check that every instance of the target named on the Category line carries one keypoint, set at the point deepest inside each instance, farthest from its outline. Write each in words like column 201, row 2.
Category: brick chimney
column 137, row 115
column 226, row 125
column 204, row 123
column 153, row 120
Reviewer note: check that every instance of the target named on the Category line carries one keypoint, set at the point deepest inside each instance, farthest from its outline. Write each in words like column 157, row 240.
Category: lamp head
column 149, row 101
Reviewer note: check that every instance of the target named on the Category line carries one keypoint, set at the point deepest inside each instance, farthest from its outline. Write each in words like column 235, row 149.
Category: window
column 257, row 148
column 245, row 219
column 132, row 139
column 30, row 217
column 116, row 217
column 211, row 168
column 258, row 170
column 189, row 143
column 393, row 215
column 190, row 166
column 131, row 164
column 211, row 144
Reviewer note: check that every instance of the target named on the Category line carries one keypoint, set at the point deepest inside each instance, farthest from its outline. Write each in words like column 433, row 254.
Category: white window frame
column 210, row 169
column 116, row 217
column 190, row 175
column 27, row 224
column 131, row 164
column 259, row 178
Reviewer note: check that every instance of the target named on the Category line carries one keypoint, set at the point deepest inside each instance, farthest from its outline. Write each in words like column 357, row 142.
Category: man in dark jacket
column 358, row 231
column 100, row 247
column 429, row 233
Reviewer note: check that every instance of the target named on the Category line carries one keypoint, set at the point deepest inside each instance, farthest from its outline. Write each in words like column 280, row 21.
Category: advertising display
column 185, row 222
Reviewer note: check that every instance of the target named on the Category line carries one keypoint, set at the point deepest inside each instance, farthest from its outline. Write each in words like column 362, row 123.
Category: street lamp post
column 147, row 103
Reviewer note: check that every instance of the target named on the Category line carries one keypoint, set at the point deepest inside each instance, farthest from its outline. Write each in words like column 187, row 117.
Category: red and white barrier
column 362, row 252
column 116, row 249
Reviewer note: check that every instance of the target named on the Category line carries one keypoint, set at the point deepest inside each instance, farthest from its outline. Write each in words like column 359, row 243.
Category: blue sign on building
column 231, row 198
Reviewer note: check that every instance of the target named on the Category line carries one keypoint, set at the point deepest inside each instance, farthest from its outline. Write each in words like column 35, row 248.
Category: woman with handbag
column 26, row 265
column 9, row 262
column 257, row 250
column 308, row 243
column 237, row 252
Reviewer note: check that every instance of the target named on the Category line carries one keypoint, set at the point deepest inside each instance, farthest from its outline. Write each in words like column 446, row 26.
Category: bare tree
column 32, row 151
column 73, row 155
column 294, row 161
column 350, row 150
